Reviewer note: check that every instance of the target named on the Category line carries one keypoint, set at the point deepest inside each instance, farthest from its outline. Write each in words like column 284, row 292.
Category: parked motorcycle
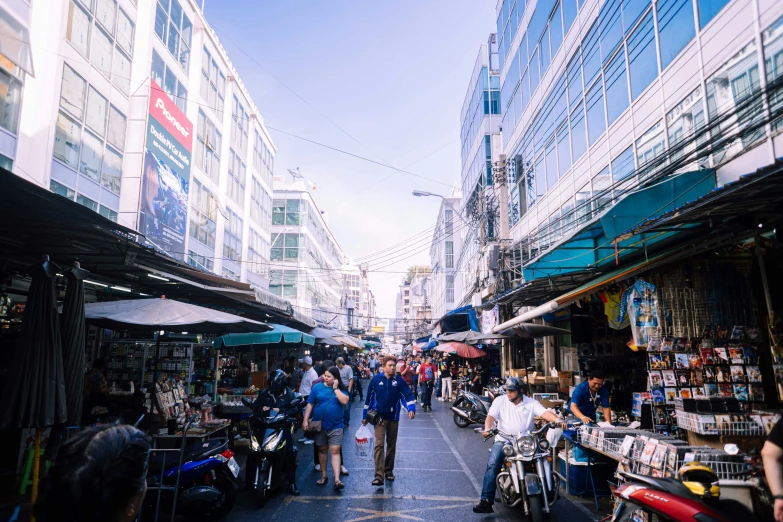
column 207, row 488
column 527, row 476
column 268, row 446
column 472, row 408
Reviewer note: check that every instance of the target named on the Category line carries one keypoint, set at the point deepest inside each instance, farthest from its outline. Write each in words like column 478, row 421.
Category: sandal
column 338, row 486
column 390, row 476
column 321, row 481
column 377, row 482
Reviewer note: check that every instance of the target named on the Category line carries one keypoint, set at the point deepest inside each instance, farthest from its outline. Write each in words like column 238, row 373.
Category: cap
column 307, row 360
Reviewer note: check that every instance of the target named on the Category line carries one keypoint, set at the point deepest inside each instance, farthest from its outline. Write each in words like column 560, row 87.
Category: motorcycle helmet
column 279, row 380
column 513, row 384
column 700, row 479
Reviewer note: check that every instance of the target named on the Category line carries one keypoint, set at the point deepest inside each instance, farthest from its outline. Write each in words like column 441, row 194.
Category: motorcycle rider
column 515, row 413
column 276, row 396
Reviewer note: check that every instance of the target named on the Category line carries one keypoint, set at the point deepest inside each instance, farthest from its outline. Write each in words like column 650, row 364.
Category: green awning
column 278, row 334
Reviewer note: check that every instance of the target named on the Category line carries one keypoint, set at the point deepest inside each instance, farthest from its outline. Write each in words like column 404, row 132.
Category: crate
column 579, row 476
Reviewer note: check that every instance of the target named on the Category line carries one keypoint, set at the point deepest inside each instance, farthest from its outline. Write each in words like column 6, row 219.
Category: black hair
column 335, row 371
column 95, row 475
column 595, row 374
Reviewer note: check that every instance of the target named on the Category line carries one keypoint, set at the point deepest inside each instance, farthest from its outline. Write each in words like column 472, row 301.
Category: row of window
column 260, row 204
column 90, row 132
column 263, row 160
column 484, row 100
column 237, row 173
column 103, row 34
column 208, row 144
column 66, row 192
column 240, row 125
column 291, row 212
column 213, row 83
column 175, row 30
column 167, row 79
column 232, row 242
column 479, row 172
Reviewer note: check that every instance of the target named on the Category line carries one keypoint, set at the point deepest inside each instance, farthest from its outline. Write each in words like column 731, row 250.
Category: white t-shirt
column 307, row 381
column 515, row 419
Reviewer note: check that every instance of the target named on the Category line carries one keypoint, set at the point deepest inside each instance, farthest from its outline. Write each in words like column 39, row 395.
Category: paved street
column 439, row 469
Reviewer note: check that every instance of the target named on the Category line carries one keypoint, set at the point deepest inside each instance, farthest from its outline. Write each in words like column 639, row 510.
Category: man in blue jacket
column 386, row 392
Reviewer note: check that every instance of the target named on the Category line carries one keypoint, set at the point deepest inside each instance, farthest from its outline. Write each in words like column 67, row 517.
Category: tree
column 416, row 270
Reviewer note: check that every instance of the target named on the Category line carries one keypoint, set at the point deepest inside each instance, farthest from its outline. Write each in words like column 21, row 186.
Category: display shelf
column 710, row 425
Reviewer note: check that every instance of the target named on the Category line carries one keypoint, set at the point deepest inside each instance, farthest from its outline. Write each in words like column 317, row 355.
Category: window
column 62, row 190
column 583, row 204
column 236, row 179
column 285, row 247
column 623, row 166
column 551, row 165
column 87, row 202
column 676, row 28
column 230, row 274
column 108, row 213
column 232, row 242
column 202, row 218
column 570, row 10
column 165, row 77
column 684, row 122
column 240, row 123
column 556, row 31
column 208, row 143
column 94, row 150
column 649, row 147
column 591, row 58
column 616, row 87
column 563, row 150
column 773, row 58
column 10, row 96
column 449, row 254
column 574, row 74
column 643, row 64
column 449, row 288
column 632, row 10
column 213, row 83
column 283, row 283
column 258, row 254
column 175, row 30
column 596, row 119
column 78, row 29
column 262, row 158
column 602, row 190
column 449, row 220
column 292, row 212
column 101, row 52
column 708, row 9
column 200, row 262
column 611, row 28
column 260, row 204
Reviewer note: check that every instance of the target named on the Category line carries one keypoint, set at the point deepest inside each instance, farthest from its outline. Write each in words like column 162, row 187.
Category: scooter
column 207, row 487
column 472, row 408
column 268, row 447
column 527, row 476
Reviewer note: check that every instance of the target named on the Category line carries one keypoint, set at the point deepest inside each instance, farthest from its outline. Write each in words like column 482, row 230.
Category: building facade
column 136, row 112
column 414, row 307
column 601, row 97
column 358, row 299
column 444, row 252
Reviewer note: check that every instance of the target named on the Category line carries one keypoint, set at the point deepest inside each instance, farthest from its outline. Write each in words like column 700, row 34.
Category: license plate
column 233, row 466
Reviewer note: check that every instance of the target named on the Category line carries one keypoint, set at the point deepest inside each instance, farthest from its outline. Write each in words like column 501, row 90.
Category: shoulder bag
column 315, row 427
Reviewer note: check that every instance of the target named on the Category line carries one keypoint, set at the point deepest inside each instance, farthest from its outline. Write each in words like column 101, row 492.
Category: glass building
column 600, row 96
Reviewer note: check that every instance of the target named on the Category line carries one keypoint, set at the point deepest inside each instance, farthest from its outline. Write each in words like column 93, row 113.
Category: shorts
column 330, row 437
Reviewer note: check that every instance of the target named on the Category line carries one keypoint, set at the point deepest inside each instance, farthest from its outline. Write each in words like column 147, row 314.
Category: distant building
column 414, row 307
column 444, row 251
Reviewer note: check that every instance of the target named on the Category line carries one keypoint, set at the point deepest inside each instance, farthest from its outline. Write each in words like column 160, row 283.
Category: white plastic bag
column 365, row 442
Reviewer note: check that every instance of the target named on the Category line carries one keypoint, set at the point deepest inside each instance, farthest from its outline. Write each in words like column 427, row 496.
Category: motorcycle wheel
column 260, row 495
column 219, row 509
column 536, row 508
column 460, row 421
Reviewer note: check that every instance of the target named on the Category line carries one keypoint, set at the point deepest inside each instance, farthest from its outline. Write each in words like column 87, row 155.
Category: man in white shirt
column 308, row 376
column 514, row 413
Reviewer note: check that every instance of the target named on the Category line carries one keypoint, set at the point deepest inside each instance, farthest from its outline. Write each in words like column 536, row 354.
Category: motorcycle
column 206, row 485
column 268, row 446
column 527, row 476
column 472, row 408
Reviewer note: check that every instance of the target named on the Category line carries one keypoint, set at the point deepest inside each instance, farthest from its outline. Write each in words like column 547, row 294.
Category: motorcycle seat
column 198, row 451
column 670, row 485
column 485, row 399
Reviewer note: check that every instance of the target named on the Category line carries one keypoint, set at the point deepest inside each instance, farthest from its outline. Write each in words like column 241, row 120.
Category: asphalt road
column 439, row 470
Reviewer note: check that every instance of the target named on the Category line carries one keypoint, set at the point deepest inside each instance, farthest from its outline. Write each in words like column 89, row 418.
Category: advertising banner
column 163, row 209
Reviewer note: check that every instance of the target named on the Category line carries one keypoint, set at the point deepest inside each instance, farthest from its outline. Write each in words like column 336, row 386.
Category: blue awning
column 593, row 246
column 278, row 334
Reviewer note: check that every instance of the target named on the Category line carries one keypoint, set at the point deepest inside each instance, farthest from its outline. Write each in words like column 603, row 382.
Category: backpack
column 428, row 372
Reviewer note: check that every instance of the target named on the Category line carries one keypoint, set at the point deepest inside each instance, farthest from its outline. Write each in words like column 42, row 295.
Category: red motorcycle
column 692, row 498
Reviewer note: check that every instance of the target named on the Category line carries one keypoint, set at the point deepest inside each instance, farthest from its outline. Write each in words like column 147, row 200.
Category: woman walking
column 326, row 405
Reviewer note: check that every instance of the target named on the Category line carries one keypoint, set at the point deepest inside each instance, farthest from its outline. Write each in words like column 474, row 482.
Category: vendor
column 587, row 396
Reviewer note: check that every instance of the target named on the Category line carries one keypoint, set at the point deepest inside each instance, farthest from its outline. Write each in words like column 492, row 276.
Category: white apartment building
column 306, row 259
column 358, row 299
column 444, row 253
column 136, row 112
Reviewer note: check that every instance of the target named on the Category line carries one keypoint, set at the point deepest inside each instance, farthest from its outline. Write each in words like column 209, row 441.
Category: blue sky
column 393, row 74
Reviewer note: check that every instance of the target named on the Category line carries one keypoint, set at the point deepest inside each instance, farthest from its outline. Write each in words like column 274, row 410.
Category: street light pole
column 421, row 193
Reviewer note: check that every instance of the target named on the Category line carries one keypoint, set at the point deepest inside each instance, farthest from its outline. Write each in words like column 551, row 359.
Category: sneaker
column 483, row 507
column 318, row 467
column 344, row 471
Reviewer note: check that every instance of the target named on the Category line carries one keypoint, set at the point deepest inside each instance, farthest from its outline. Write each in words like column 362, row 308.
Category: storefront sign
column 163, row 209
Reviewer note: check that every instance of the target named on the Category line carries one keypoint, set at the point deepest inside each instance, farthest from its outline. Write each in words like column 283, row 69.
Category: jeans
column 347, row 415
column 426, row 391
column 415, row 388
column 437, row 388
column 358, row 385
column 494, row 464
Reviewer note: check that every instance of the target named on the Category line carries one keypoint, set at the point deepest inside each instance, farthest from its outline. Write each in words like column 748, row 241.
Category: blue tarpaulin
column 278, row 334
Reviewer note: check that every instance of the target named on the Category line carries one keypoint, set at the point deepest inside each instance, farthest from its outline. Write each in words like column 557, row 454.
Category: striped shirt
column 515, row 419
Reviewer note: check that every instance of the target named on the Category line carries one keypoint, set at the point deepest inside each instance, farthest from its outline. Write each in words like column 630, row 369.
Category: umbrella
column 528, row 330
column 463, row 350
column 72, row 329
column 469, row 337
column 34, row 394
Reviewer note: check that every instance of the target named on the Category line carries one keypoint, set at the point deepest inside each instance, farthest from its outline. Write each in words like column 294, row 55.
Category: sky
column 382, row 79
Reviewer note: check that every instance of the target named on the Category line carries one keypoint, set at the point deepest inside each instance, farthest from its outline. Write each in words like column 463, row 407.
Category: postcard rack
column 707, row 425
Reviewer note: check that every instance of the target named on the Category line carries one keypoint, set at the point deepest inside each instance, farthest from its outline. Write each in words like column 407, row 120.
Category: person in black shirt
column 772, row 454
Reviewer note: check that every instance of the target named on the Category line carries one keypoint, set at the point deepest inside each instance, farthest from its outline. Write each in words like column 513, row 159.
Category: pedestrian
column 346, row 376
column 309, row 375
column 373, row 364
column 385, row 393
column 427, row 380
column 99, row 475
column 357, row 380
column 326, row 404
column 445, row 379
column 515, row 413
column 415, row 366
column 407, row 372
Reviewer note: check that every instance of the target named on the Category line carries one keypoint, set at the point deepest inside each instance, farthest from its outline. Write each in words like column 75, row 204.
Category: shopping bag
column 365, row 442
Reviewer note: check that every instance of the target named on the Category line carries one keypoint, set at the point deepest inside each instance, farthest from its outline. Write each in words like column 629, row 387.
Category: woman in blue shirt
column 327, row 402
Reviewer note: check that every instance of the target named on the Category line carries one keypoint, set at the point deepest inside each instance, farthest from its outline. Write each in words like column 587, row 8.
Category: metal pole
column 765, row 283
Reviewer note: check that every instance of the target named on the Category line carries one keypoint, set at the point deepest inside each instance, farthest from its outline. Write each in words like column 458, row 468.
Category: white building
column 196, row 180
column 444, row 252
column 358, row 298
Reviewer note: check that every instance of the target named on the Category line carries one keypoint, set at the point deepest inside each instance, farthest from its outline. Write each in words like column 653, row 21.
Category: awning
column 349, row 341
column 324, row 335
column 278, row 334
column 594, row 245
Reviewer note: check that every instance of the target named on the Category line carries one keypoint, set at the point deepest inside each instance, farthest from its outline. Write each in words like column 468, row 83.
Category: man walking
column 427, row 380
column 384, row 394
column 346, row 375
column 373, row 365
column 445, row 379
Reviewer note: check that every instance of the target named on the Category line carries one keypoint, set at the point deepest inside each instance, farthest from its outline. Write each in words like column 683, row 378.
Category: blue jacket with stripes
column 386, row 396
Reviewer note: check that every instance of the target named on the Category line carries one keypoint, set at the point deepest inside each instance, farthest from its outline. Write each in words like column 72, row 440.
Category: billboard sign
column 163, row 209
